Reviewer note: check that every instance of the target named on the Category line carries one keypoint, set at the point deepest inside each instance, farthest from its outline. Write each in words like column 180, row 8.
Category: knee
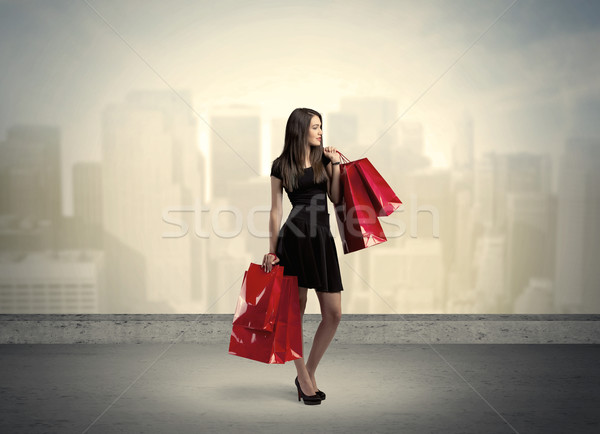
column 332, row 317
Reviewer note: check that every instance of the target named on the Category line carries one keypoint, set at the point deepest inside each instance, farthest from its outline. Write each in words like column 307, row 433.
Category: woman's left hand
column 331, row 153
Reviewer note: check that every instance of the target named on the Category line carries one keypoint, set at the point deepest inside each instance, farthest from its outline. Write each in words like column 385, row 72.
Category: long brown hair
column 291, row 160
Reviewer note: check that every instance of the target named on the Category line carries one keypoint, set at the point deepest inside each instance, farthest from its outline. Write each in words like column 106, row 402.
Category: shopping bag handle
column 344, row 158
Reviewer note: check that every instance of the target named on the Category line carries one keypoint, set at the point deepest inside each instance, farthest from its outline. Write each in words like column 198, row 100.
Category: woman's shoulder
column 276, row 168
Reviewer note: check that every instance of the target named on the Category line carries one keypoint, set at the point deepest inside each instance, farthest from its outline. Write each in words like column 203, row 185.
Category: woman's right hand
column 269, row 260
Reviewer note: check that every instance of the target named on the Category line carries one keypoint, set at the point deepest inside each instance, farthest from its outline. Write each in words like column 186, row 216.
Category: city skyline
column 121, row 124
column 501, row 205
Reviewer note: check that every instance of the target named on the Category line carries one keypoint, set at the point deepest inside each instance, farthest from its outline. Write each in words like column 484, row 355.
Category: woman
column 304, row 246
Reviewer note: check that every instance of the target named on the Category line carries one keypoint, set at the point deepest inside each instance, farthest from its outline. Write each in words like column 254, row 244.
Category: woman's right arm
column 274, row 218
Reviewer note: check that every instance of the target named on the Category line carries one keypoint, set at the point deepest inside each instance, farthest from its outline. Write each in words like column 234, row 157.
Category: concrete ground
column 195, row 388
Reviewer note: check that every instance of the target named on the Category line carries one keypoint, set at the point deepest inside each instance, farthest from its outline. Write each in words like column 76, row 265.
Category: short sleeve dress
column 305, row 245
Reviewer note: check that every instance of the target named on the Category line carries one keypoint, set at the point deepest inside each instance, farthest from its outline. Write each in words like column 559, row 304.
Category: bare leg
column 331, row 314
column 303, row 376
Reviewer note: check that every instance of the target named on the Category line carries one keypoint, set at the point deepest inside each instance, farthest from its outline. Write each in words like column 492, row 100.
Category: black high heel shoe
column 308, row 399
column 321, row 395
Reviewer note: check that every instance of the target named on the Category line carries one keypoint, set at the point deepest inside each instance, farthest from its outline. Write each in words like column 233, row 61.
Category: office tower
column 484, row 190
column 235, row 146
column 25, row 234
column 489, row 259
column 578, row 237
column 411, row 137
column 519, row 173
column 529, row 240
column 463, row 152
column 428, row 199
column 374, row 117
column 460, row 273
column 85, row 228
column 87, row 192
column 497, row 175
column 30, row 165
column 428, row 210
column 150, row 179
column 340, row 129
column 51, row 282
column 512, row 197
column 406, row 278
column 522, row 198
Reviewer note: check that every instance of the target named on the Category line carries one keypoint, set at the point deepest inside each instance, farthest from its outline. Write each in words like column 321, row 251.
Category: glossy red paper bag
column 293, row 348
column 282, row 344
column 259, row 298
column 355, row 214
column 382, row 196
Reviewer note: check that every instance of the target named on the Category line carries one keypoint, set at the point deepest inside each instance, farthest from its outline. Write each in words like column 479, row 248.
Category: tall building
column 489, row 258
column 512, row 200
column 150, row 178
column 406, row 278
column 85, row 229
column 374, row 117
column 578, row 235
column 463, row 152
column 30, row 163
column 497, row 175
column 51, row 282
column 463, row 235
column 484, row 190
column 87, row 192
column 19, row 234
column 235, row 146
column 340, row 129
column 529, row 240
column 519, row 173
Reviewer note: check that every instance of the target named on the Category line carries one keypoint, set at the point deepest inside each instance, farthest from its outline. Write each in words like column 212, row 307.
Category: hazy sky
column 528, row 82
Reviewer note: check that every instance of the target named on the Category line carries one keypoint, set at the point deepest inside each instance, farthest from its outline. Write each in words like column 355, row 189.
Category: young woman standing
column 304, row 246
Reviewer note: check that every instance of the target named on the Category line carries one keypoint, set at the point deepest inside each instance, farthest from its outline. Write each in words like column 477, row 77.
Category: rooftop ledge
column 353, row 329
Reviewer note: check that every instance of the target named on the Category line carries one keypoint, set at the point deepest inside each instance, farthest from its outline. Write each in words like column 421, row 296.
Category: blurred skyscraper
column 87, row 192
column 373, row 115
column 30, row 165
column 51, row 281
column 340, row 129
column 578, row 235
column 235, row 146
column 463, row 152
column 151, row 176
column 530, row 235
column 87, row 204
column 514, row 225
column 460, row 296
column 30, row 188
column 490, row 263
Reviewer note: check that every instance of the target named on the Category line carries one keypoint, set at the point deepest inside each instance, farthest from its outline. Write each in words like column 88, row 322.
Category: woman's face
column 315, row 132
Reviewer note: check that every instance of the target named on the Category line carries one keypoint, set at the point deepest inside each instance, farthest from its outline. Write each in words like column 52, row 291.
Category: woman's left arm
column 333, row 174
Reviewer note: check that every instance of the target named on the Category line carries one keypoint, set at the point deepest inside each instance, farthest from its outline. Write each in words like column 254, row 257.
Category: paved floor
column 191, row 388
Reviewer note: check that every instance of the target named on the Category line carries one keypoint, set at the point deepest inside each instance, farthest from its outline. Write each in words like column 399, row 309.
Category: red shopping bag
column 259, row 298
column 293, row 347
column 382, row 196
column 356, row 217
column 284, row 342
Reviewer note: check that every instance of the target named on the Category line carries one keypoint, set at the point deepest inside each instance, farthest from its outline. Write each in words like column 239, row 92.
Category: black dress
column 305, row 245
